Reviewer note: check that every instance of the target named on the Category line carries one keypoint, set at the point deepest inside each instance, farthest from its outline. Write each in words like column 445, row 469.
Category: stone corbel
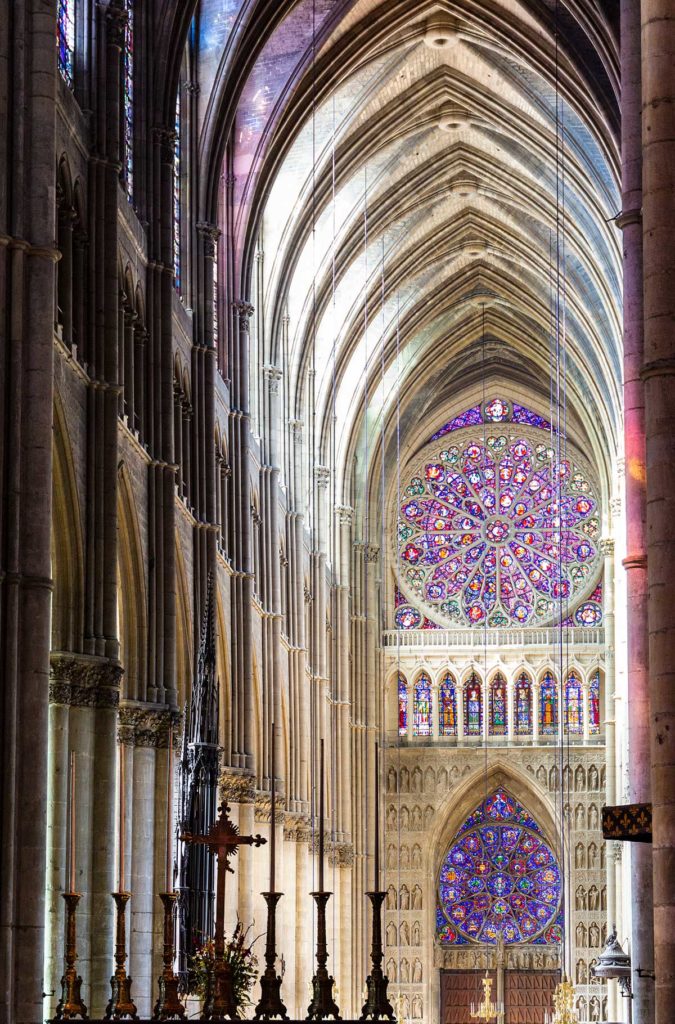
column 82, row 680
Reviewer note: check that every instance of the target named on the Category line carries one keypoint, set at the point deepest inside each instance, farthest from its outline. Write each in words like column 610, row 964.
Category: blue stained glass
column 548, row 705
column 65, row 38
column 177, row 197
column 594, row 705
column 523, row 705
column 422, row 706
column 574, row 705
column 497, row 410
column 402, row 706
column 447, row 707
column 495, row 532
column 499, row 877
column 469, row 418
column 498, row 709
column 473, row 707
column 128, row 99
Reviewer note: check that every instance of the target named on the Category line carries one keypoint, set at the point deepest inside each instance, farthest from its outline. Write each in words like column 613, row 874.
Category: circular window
column 499, row 877
column 499, row 532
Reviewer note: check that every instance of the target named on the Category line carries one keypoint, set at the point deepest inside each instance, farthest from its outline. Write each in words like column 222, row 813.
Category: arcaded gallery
column 337, row 511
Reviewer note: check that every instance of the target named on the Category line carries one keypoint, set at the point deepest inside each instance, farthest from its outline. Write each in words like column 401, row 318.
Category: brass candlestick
column 270, row 1004
column 377, row 1005
column 168, row 1006
column 71, row 1005
column 121, row 1004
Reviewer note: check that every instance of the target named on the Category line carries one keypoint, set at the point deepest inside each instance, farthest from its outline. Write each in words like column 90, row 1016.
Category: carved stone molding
column 371, row 552
column 273, row 376
column 244, row 311
column 236, row 786
column 520, row 958
column 607, row 546
column 81, row 680
column 297, row 828
column 140, row 725
column 210, row 233
column 263, row 807
column 345, row 514
column 116, row 20
column 322, row 476
column 166, row 139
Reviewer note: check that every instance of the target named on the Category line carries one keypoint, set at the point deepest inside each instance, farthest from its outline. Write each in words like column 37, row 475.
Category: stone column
column 635, row 562
column 459, row 699
column 535, row 711
column 434, row 711
column 658, row 373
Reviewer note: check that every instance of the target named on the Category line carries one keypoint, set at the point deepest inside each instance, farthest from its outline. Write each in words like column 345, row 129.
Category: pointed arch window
column 548, row 705
column 523, row 705
column 65, row 38
column 574, row 705
column 422, row 706
column 473, row 706
column 128, row 100
column 594, row 704
column 498, row 723
column 177, row 195
column 447, row 707
column 402, row 705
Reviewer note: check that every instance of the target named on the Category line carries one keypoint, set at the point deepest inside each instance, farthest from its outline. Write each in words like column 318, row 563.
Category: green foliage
column 238, row 953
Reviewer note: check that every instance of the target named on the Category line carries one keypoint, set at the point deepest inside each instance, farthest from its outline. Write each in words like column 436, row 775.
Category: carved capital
column 607, row 546
column 322, row 476
column 166, row 140
column 81, row 680
column 272, row 376
column 297, row 828
column 142, row 726
column 236, row 786
column 345, row 514
column 209, row 233
column 297, row 427
column 371, row 552
column 244, row 311
column 263, row 807
column 116, row 18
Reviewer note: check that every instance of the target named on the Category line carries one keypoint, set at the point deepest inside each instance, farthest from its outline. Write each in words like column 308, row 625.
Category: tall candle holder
column 120, row 1005
column 377, row 1005
column 270, row 1004
column 322, row 1005
column 168, row 1006
column 71, row 1005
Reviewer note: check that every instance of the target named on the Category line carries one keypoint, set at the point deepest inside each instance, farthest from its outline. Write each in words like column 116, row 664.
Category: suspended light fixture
column 487, row 1010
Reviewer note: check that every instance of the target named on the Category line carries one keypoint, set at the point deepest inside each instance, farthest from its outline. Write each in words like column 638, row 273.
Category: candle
column 72, row 821
column 321, row 811
column 377, row 819
column 273, row 819
column 169, row 810
column 120, row 883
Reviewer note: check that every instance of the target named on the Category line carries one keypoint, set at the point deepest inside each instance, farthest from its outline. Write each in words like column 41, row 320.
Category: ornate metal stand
column 377, row 1005
column 270, row 1004
column 168, row 1006
column 220, row 1003
column 70, row 1005
column 322, row 1005
column 121, row 1004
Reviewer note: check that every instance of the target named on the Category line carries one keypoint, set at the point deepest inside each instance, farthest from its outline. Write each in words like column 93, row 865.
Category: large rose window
column 499, row 877
column 499, row 531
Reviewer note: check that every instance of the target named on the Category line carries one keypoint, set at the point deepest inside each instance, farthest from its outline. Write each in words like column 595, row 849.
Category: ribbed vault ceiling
column 407, row 186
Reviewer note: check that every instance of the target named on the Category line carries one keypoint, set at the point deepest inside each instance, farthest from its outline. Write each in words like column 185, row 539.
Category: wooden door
column 458, row 990
column 528, row 995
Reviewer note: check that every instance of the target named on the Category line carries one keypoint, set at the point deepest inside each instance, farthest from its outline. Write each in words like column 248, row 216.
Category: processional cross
column 224, row 840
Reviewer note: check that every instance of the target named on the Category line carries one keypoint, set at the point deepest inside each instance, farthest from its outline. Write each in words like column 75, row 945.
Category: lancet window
column 128, row 100
column 177, row 151
column 422, row 706
column 447, row 707
column 594, row 704
column 548, row 705
column 402, row 705
column 65, row 39
column 473, row 706
column 574, row 705
column 523, row 705
column 498, row 706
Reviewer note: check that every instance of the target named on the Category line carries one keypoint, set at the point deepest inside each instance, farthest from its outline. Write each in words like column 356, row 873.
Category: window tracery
column 447, row 707
column 523, row 705
column 65, row 38
column 574, row 705
column 422, row 706
column 473, row 707
column 498, row 706
column 402, row 705
column 499, row 877
column 128, row 99
column 548, row 705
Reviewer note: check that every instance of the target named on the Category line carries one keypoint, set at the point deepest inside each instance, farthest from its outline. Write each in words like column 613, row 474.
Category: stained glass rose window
column 499, row 876
column 499, row 531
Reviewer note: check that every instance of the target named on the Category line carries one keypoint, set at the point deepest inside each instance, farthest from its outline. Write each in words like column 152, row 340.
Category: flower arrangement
column 238, row 953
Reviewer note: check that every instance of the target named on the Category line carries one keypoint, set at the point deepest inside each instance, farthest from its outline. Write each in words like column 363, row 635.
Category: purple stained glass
column 422, row 706
column 402, row 705
column 65, row 38
column 498, row 713
column 532, row 419
column 548, row 705
column 447, row 707
column 469, row 418
column 523, row 705
column 594, row 704
column 177, row 198
column 574, row 705
column 499, row 877
column 128, row 99
column 473, row 707
column 497, row 533
column 497, row 410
